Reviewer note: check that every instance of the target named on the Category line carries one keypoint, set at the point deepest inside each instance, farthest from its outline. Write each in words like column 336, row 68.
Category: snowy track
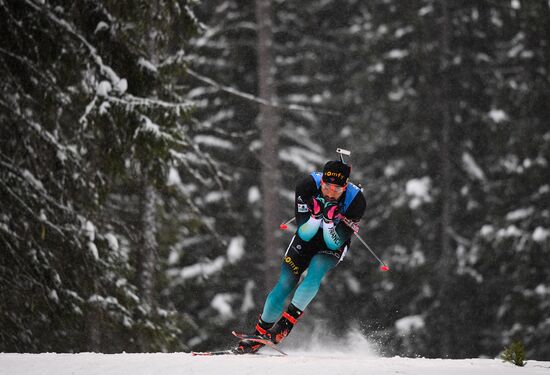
column 295, row 363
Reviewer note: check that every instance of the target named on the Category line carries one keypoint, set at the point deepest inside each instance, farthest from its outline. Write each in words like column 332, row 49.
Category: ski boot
column 282, row 328
column 251, row 347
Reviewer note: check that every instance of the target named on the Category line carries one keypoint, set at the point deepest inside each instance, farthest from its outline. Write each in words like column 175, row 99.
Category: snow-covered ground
column 309, row 353
column 294, row 363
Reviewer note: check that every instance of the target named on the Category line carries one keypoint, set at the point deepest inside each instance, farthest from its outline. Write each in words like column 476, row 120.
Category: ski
column 220, row 352
column 242, row 336
column 232, row 352
column 258, row 339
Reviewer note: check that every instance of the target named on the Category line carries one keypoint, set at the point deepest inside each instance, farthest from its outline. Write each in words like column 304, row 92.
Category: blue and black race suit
column 317, row 246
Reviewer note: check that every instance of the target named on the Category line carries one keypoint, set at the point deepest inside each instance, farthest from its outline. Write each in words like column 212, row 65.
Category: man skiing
column 323, row 201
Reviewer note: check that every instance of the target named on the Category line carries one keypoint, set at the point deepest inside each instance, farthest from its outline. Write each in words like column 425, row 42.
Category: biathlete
column 323, row 201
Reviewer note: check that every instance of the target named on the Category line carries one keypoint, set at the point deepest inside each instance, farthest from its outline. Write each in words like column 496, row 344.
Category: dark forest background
column 149, row 150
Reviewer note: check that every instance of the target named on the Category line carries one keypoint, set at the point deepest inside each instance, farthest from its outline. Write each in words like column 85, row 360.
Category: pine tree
column 85, row 115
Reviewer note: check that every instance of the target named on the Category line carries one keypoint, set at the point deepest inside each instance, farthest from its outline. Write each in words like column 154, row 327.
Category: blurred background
column 149, row 151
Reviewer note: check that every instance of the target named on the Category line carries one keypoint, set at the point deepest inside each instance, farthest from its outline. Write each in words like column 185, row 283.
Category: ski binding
column 258, row 339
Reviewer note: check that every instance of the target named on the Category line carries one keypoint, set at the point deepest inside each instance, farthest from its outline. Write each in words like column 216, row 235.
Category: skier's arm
column 337, row 235
column 308, row 224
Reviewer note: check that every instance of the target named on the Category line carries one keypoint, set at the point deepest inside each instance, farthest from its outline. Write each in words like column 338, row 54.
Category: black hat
column 336, row 172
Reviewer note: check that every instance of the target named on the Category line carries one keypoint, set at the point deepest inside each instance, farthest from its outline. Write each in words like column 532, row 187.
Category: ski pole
column 355, row 228
column 383, row 266
column 349, row 223
column 284, row 225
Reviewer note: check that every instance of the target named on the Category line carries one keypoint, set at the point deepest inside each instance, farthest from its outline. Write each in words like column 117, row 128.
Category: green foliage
column 514, row 353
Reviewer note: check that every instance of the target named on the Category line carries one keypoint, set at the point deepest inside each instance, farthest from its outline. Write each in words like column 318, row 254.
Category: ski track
column 301, row 363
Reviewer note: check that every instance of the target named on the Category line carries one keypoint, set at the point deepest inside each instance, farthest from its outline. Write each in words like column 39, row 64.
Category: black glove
column 330, row 211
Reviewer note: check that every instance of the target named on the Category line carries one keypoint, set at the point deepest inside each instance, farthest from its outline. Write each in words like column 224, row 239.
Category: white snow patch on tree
column 486, row 231
column 61, row 155
column 376, row 68
column 93, row 249
column 101, row 26
column 122, row 85
column 218, row 117
column 425, row 10
column 541, row 234
column 510, row 231
column 112, row 241
column 147, row 65
column 396, row 95
column 542, row 290
column 33, row 181
column 173, row 178
column 472, row 167
column 417, row 258
column 89, row 230
column 53, row 296
column 409, row 323
column 497, row 115
column 149, row 126
column 212, row 141
column 235, row 250
column 254, row 194
column 104, row 88
column 248, row 299
column 397, row 54
column 402, row 31
column 222, row 303
column 216, row 196
column 419, row 191
column 303, row 159
column 204, row 269
column 520, row 214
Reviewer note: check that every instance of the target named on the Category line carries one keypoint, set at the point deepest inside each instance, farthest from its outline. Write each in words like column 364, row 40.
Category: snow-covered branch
column 256, row 99
column 131, row 101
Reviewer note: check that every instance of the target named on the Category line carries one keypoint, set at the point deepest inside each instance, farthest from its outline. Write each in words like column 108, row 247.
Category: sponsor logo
column 293, row 267
column 302, row 207
column 334, row 235
column 334, row 174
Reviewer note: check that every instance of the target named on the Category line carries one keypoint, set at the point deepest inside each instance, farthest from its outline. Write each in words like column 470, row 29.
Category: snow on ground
column 294, row 363
column 310, row 352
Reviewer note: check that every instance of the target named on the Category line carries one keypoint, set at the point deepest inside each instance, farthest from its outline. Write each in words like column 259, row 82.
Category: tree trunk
column 93, row 328
column 147, row 253
column 446, row 258
column 147, row 248
column 268, row 123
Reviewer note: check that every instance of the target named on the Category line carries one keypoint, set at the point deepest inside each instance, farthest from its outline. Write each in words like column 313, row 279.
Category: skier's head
column 335, row 179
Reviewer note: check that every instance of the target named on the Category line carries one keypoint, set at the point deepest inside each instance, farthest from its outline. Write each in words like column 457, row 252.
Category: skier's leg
column 318, row 268
column 275, row 302
column 295, row 261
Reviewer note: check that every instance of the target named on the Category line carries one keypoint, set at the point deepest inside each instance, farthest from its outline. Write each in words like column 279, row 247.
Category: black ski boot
column 247, row 346
column 282, row 328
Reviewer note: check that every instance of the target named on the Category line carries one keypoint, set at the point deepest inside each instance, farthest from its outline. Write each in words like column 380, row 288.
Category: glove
column 316, row 207
column 330, row 211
